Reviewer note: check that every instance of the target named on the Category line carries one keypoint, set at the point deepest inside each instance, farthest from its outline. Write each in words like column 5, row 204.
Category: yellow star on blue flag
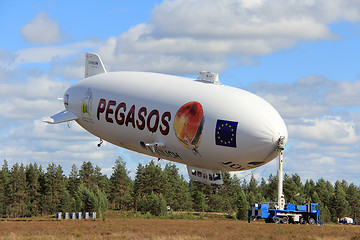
column 225, row 133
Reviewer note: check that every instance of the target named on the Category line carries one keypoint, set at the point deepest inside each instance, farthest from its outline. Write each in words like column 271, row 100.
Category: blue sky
column 301, row 56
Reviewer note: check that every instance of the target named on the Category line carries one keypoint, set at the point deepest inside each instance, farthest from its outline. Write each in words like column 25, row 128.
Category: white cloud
column 198, row 35
column 34, row 88
column 17, row 108
column 310, row 96
column 45, row 54
column 296, row 106
column 311, row 162
column 327, row 129
column 205, row 34
column 29, row 98
column 345, row 93
column 42, row 30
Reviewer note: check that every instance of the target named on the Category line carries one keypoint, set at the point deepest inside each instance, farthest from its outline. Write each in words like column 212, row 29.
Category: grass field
column 131, row 228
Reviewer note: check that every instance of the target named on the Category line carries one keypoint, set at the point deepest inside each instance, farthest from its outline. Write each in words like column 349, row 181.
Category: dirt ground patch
column 160, row 229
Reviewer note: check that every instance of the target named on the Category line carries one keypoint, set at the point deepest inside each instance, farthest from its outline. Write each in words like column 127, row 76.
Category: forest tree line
column 31, row 191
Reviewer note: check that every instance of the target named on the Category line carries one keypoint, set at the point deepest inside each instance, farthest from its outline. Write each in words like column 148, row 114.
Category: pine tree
column 293, row 191
column 299, row 189
column 309, row 189
column 329, row 193
column 85, row 199
column 200, row 193
column 224, row 199
column 235, row 188
column 321, row 190
column 156, row 204
column 90, row 201
column 253, row 185
column 339, row 202
column 153, row 176
column 101, row 201
column 352, row 196
column 242, row 207
column 324, row 199
column 138, row 189
column 143, row 204
column 101, row 180
column 2, row 194
column 17, row 190
column 65, row 203
column 175, row 189
column 184, row 199
column 148, row 179
column 120, row 186
column 271, row 190
column 201, row 201
column 73, row 180
column 263, row 189
column 33, row 189
column 55, row 187
column 87, row 176
column 4, row 189
column 42, row 191
column 325, row 213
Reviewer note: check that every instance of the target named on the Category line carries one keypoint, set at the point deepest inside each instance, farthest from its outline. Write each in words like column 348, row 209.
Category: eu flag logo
column 225, row 133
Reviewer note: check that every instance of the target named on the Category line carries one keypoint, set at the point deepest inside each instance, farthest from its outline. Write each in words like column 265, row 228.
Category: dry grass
column 161, row 229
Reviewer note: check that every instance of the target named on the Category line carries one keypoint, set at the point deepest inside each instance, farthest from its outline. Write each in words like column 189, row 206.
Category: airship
column 199, row 122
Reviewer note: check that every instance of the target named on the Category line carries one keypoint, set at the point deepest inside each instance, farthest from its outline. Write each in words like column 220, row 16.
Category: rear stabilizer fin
column 60, row 117
column 93, row 65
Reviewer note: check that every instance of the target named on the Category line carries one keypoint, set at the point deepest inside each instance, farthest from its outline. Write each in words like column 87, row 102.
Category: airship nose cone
column 279, row 131
column 259, row 131
column 274, row 129
column 276, row 137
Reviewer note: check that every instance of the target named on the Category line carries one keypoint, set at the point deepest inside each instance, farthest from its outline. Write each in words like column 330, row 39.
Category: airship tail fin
column 93, row 65
column 60, row 117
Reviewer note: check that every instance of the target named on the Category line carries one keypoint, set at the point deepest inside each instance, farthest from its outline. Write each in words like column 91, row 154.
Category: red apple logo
column 188, row 125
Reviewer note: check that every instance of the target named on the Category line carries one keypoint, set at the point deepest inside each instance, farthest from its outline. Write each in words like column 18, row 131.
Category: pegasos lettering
column 122, row 115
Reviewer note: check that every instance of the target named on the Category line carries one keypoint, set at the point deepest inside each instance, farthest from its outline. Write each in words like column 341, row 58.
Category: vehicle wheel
column 302, row 220
column 277, row 220
column 284, row 220
column 312, row 221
